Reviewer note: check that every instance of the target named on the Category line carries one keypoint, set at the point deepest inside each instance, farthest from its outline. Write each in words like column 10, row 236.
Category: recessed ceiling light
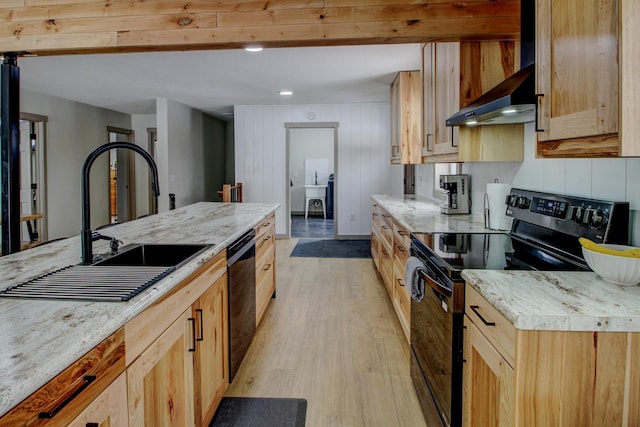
column 286, row 93
column 253, row 48
column 510, row 111
column 472, row 122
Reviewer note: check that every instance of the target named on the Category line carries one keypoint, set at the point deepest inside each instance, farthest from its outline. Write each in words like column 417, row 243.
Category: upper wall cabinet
column 406, row 133
column 586, row 78
column 453, row 75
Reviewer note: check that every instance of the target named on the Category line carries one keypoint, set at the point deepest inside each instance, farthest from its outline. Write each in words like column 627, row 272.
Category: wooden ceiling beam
column 47, row 27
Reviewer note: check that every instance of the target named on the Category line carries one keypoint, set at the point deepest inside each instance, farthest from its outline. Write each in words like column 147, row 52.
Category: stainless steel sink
column 118, row 277
column 153, row 254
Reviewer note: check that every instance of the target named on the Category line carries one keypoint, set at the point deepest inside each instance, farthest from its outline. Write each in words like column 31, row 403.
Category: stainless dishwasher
column 241, row 272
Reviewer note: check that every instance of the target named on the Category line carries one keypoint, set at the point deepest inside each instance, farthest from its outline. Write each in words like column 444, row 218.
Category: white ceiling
column 214, row 81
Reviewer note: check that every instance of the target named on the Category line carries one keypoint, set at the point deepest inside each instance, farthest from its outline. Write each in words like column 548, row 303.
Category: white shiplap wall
column 363, row 157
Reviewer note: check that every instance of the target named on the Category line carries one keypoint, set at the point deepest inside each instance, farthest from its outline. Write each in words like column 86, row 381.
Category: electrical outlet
column 352, row 217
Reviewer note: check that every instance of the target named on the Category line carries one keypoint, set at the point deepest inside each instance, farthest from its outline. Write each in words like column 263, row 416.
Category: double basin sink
column 116, row 278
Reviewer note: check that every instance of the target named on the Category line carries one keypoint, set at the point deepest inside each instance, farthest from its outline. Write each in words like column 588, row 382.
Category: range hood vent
column 513, row 100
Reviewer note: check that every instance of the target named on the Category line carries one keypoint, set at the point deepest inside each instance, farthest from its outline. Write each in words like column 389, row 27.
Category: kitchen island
column 40, row 338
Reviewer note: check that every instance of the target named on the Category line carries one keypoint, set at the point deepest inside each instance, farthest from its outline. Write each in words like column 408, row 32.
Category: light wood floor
column 331, row 337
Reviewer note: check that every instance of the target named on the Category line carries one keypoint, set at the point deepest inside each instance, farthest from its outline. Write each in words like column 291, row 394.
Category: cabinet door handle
column 266, row 267
column 475, row 308
column 93, row 425
column 452, row 144
column 200, row 314
column 538, row 95
column 400, row 282
column 429, row 135
column 87, row 379
column 193, row 333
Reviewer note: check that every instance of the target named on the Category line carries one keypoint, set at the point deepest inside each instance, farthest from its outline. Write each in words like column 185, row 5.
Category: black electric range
column 544, row 236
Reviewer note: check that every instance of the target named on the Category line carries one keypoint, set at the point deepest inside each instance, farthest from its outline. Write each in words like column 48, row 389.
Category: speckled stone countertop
column 40, row 338
column 421, row 215
column 559, row 301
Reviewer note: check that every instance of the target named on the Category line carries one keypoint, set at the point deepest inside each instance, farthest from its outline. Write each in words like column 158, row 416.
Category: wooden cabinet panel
column 401, row 298
column 406, row 118
column 109, row 409
column 211, row 360
column 577, row 68
column 488, row 383
column 265, row 265
column 160, row 381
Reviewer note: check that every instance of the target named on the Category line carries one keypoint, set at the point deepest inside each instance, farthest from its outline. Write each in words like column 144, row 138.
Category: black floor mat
column 321, row 248
column 260, row 412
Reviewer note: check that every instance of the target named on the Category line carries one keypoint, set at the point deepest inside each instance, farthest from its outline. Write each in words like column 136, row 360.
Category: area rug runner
column 260, row 412
column 327, row 248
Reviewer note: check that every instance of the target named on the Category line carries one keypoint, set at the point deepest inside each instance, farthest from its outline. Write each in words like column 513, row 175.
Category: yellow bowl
column 612, row 268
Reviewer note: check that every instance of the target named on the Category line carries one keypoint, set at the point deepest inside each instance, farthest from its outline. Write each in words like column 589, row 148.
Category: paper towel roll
column 496, row 195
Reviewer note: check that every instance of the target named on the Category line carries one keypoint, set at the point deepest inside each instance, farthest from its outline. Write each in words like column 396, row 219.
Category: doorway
column 311, row 178
column 33, row 204
column 122, row 206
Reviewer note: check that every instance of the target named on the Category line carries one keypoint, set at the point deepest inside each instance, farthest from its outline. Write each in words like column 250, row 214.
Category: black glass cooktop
column 455, row 252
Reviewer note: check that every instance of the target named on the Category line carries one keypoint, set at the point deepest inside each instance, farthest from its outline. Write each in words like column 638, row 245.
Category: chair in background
column 231, row 193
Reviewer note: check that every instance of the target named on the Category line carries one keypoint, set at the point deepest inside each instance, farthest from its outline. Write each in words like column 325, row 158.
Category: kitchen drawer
column 401, row 236
column 375, row 249
column 400, row 252
column 386, row 233
column 387, row 219
column 264, row 227
column 491, row 323
column 74, row 389
column 265, row 241
column 402, row 299
column 265, row 283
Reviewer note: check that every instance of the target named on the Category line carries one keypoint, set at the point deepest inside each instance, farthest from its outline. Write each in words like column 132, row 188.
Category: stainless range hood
column 513, row 100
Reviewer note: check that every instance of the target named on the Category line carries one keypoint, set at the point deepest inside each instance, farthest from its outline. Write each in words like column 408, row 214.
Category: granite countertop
column 40, row 338
column 421, row 215
column 559, row 301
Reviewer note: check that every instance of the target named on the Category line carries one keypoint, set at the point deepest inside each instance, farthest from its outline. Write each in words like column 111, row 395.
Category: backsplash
column 608, row 179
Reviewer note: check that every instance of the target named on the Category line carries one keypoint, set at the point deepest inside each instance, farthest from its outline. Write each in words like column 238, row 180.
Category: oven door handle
column 435, row 285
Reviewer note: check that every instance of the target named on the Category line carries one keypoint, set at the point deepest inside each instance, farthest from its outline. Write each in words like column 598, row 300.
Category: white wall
column 607, row 179
column 363, row 164
column 180, row 153
column 73, row 131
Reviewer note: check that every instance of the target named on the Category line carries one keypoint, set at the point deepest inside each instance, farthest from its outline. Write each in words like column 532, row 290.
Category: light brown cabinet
column 390, row 245
column 265, row 265
column 406, row 133
column 401, row 297
column 453, row 75
column 532, row 378
column 577, row 72
column 160, row 382
column 211, row 356
column 586, row 74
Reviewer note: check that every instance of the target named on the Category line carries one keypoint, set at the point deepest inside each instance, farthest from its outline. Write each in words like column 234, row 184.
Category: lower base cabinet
column 531, row 378
column 160, row 381
column 211, row 358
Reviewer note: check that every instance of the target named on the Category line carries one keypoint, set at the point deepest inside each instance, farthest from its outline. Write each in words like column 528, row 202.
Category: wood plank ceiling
column 47, row 27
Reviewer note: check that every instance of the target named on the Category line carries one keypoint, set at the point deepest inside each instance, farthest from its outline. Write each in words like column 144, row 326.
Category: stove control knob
column 513, row 200
column 523, row 202
column 575, row 213
column 597, row 218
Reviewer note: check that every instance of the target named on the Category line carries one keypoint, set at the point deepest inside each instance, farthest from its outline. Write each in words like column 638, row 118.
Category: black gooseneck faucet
column 86, row 234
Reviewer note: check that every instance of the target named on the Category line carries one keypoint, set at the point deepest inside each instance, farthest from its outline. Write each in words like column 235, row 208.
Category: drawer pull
column 88, row 379
column 400, row 282
column 199, row 312
column 400, row 232
column 475, row 308
column 267, row 238
column 401, row 248
column 266, row 267
column 193, row 332
column 93, row 425
column 267, row 224
column 385, row 227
